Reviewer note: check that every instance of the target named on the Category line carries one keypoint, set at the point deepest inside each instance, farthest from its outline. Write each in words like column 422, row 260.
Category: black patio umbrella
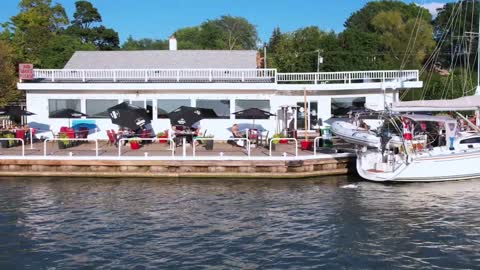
column 187, row 116
column 253, row 113
column 15, row 111
column 130, row 116
column 67, row 113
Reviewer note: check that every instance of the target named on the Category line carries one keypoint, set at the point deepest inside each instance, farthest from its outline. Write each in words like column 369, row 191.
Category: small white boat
column 354, row 134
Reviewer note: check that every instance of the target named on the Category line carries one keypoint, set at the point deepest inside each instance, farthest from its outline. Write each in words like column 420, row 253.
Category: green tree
column 144, row 44
column 387, row 35
column 33, row 27
column 86, row 25
column 404, row 44
column 224, row 33
column 299, row 50
column 452, row 26
column 59, row 50
column 8, row 78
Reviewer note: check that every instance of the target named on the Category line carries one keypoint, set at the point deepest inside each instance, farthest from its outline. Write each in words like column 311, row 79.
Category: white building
column 226, row 81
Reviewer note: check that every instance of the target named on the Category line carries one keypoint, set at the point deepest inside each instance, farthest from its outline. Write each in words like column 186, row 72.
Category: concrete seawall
column 300, row 168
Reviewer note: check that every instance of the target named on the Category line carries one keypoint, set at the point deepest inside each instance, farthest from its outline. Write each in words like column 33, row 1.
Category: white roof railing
column 219, row 76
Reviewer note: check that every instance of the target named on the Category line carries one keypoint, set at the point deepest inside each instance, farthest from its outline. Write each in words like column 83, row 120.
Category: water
column 298, row 224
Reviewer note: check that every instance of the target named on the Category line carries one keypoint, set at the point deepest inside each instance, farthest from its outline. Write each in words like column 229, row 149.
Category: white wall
column 37, row 102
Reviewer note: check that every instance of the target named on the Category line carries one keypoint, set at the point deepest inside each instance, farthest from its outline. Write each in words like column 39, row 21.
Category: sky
column 158, row 19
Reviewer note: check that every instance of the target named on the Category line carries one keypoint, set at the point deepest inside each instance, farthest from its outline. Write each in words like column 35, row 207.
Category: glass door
column 312, row 120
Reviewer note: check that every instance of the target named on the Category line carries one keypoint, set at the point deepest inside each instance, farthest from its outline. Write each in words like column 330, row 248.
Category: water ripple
column 201, row 224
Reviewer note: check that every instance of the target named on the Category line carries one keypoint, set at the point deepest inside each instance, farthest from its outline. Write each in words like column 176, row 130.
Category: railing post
column 114, row 76
column 210, row 76
column 178, row 75
column 184, row 147
column 83, row 76
column 53, row 76
column 316, row 78
column 146, row 75
column 243, row 76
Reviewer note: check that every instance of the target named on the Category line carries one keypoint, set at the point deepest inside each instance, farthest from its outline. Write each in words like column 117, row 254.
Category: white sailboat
column 434, row 149
column 415, row 147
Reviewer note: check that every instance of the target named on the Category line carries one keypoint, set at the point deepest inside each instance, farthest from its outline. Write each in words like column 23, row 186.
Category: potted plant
column 306, row 145
column 208, row 143
column 134, row 143
column 162, row 135
column 275, row 140
column 10, row 142
column 63, row 141
column 3, row 143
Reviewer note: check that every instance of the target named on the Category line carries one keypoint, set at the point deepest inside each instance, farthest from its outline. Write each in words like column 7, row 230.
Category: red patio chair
column 111, row 138
column 20, row 134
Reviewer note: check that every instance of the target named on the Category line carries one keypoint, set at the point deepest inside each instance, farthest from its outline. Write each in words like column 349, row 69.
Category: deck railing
column 157, row 75
column 349, row 77
column 219, row 76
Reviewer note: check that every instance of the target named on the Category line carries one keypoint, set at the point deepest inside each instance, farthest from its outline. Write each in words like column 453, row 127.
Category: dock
column 158, row 160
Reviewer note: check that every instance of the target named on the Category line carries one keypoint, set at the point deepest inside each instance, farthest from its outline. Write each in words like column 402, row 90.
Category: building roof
column 162, row 59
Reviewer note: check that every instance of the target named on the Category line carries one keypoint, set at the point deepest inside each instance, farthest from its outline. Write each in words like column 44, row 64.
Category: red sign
column 25, row 71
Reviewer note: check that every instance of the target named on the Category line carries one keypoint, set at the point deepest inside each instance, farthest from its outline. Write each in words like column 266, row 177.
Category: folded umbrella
column 187, row 116
column 130, row 116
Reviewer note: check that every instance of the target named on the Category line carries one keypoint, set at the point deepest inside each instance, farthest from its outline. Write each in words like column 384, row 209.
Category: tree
column 34, row 26
column 224, row 33
column 405, row 44
column 86, row 25
column 8, row 78
column 275, row 39
column 144, row 44
column 299, row 51
column 387, row 35
column 60, row 49
column 453, row 25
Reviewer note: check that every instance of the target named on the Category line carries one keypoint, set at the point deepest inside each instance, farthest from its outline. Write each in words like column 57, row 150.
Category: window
column 470, row 140
column 220, row 106
column 60, row 104
column 164, row 106
column 97, row 108
column 312, row 120
column 341, row 106
column 243, row 104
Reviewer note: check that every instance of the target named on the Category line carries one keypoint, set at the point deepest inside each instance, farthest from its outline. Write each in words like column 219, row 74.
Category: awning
column 468, row 103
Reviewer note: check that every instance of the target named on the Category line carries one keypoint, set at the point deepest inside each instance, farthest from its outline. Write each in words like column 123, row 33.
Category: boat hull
column 448, row 167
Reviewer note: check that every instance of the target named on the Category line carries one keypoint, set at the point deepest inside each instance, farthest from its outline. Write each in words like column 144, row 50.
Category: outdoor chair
column 111, row 138
column 263, row 139
column 20, row 134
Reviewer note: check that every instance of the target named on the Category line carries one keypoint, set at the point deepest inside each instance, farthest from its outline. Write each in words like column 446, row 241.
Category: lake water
column 326, row 223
